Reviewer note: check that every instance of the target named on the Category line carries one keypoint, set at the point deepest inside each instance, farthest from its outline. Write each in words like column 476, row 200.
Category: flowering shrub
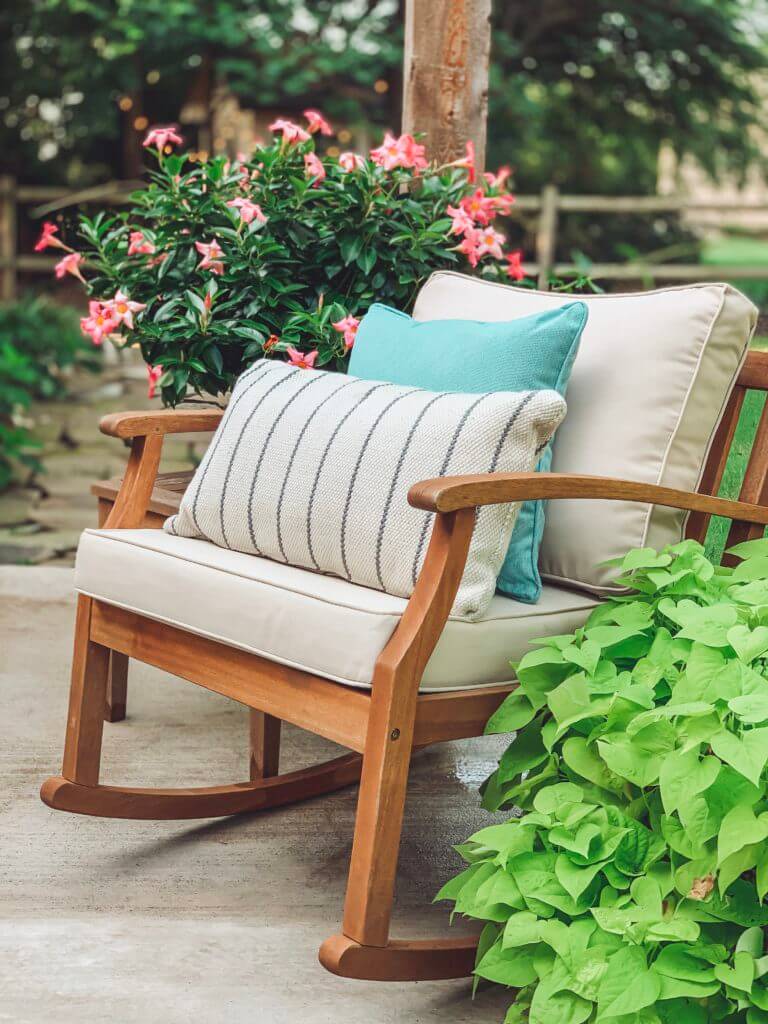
column 218, row 263
column 632, row 888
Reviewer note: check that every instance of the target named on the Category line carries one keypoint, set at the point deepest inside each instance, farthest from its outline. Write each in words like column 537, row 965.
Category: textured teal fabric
column 534, row 352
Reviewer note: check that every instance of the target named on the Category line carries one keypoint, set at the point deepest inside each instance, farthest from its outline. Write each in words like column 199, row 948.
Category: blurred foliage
column 582, row 93
column 49, row 336
column 39, row 343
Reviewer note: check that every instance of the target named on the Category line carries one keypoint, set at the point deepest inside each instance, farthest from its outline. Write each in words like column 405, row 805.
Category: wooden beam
column 445, row 77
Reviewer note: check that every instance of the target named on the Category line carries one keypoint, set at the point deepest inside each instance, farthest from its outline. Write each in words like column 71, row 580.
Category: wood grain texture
column 391, row 723
column 449, row 493
column 264, row 757
column 87, row 697
column 164, row 421
column 400, row 960
column 117, row 687
column 201, row 802
column 337, row 712
column 712, row 477
column 445, row 75
column 132, row 500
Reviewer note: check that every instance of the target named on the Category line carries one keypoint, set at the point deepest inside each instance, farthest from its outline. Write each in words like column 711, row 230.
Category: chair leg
column 117, row 687
column 265, row 745
column 87, row 697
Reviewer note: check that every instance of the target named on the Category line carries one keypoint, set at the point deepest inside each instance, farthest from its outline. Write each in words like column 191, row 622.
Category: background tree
column 583, row 93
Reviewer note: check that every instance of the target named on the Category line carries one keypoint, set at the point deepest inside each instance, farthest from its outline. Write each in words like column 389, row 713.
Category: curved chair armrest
column 165, row 421
column 450, row 493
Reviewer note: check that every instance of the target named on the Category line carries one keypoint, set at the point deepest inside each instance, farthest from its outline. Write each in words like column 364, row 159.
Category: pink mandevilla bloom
column 47, row 238
column 498, row 180
column 139, row 244
column 351, row 161
column 123, row 308
column 212, row 256
column 154, row 373
column 291, row 132
column 348, row 327
column 304, row 360
column 70, row 264
column 469, row 246
column 317, row 122
column 399, row 152
column 461, row 221
column 490, row 242
column 99, row 323
column 248, row 211
column 162, row 137
column 468, row 162
column 515, row 265
column 480, row 207
column 313, row 165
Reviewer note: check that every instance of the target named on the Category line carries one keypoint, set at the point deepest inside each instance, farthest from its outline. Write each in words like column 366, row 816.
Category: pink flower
column 468, row 161
column 313, row 166
column 212, row 257
column 99, row 323
column 498, row 179
column 123, row 309
column 162, row 137
column 515, row 265
column 469, row 246
column 306, row 360
column 490, row 241
column 291, row 132
column 480, row 207
column 351, row 161
column 317, row 122
column 47, row 239
column 154, row 373
column 70, row 265
column 461, row 222
column 248, row 211
column 139, row 245
column 503, row 203
column 399, row 152
column 348, row 327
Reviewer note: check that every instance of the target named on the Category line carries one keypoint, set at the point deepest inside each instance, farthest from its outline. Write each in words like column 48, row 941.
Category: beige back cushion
column 650, row 382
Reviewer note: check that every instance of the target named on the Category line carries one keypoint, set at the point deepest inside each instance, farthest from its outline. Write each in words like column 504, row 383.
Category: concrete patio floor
column 216, row 920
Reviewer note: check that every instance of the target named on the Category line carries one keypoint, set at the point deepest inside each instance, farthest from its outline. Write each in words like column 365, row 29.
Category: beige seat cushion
column 650, row 381
column 321, row 624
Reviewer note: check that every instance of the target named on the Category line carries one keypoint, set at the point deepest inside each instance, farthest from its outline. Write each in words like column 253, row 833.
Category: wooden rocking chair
column 381, row 726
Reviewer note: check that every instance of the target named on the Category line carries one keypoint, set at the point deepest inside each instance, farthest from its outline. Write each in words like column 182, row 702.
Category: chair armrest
column 450, row 493
column 165, row 421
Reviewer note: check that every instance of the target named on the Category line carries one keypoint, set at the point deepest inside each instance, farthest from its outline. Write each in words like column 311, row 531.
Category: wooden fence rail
column 550, row 204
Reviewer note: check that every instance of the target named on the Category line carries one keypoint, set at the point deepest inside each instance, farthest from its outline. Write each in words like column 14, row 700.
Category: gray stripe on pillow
column 395, row 478
column 331, row 439
column 252, row 413
column 428, row 516
column 253, row 371
column 505, row 432
column 356, row 470
column 346, row 383
column 314, row 379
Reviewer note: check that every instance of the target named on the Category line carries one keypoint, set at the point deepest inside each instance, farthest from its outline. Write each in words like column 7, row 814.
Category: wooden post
column 445, row 78
column 7, row 238
column 546, row 236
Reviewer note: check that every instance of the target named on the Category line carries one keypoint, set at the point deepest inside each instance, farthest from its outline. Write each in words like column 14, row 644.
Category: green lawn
column 735, row 249
column 737, row 461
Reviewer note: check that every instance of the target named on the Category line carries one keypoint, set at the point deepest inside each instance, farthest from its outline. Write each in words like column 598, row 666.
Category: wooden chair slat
column 712, row 477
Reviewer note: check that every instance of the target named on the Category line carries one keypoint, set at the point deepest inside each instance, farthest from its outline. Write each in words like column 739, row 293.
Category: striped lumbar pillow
column 313, row 469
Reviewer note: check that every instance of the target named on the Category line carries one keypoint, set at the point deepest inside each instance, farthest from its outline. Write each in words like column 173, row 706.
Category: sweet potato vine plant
column 219, row 262
column 631, row 890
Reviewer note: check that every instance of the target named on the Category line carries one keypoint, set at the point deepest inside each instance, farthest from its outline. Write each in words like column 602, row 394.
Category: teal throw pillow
column 532, row 353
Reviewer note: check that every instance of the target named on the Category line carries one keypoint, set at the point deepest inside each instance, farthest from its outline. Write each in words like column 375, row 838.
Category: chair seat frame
column 381, row 727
